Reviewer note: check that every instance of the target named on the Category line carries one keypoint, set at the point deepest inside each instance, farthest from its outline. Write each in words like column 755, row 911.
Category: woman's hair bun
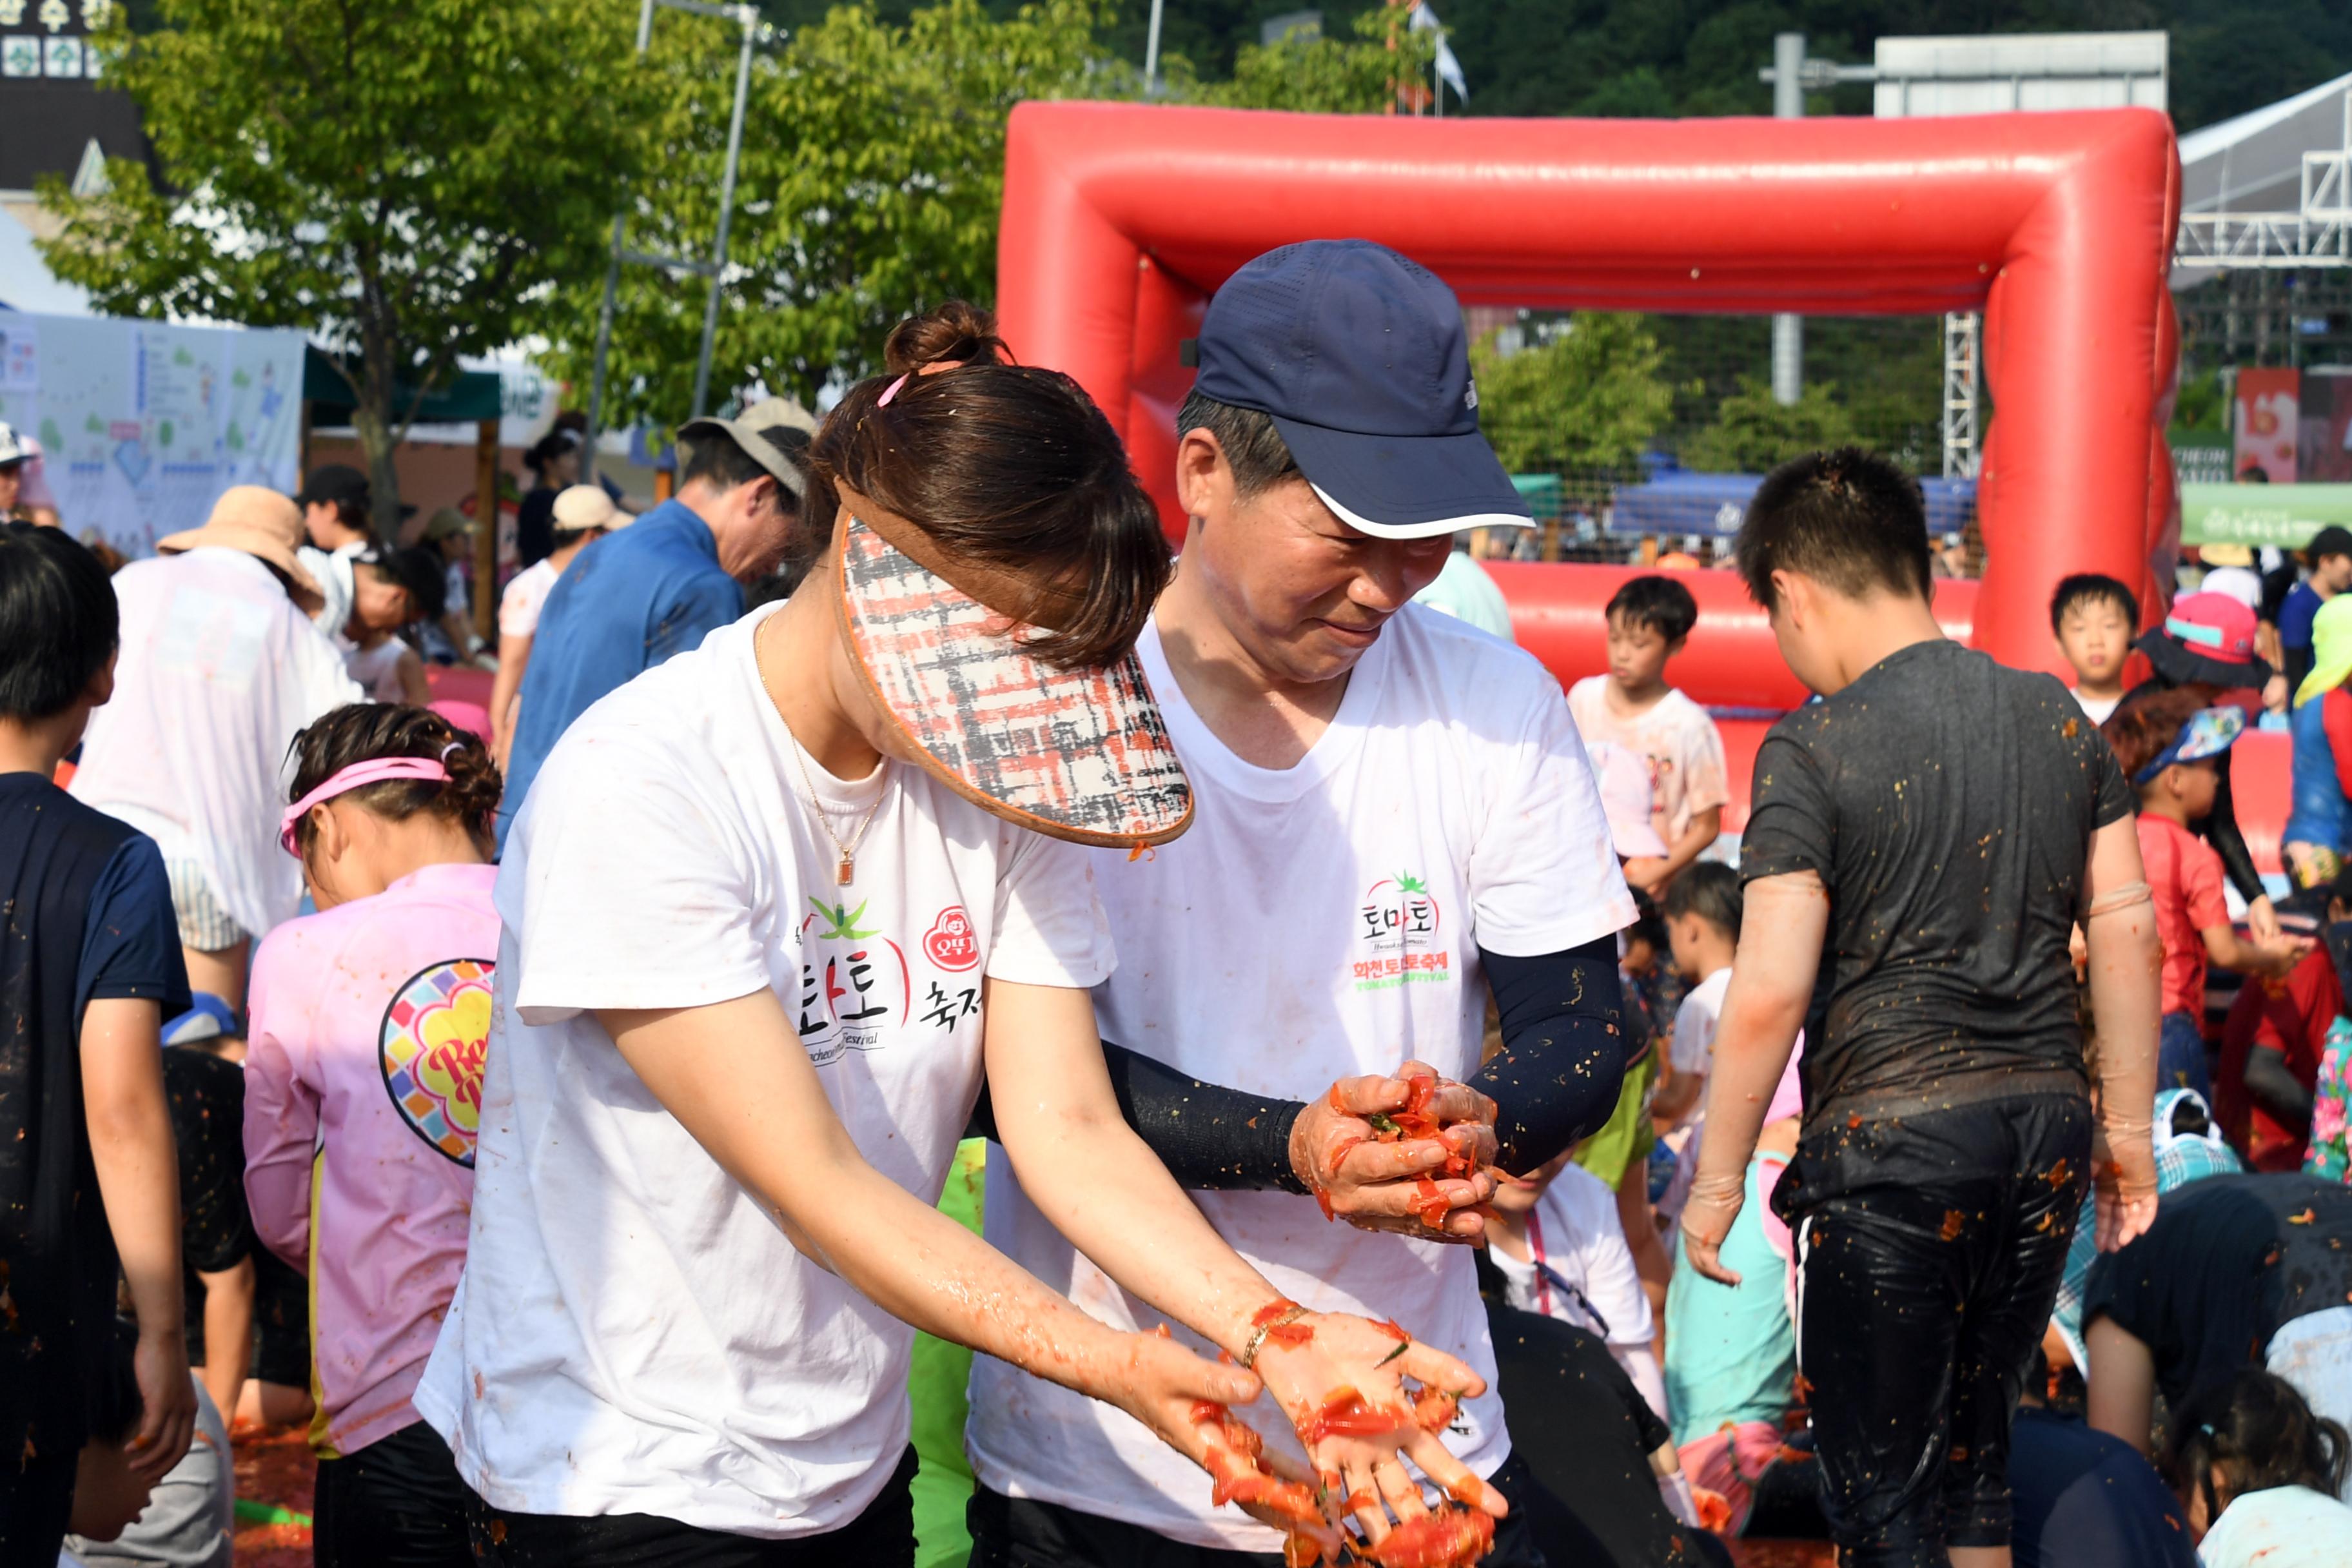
column 957, row 331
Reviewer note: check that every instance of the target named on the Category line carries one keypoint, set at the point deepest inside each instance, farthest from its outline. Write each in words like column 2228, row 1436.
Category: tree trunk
column 371, row 418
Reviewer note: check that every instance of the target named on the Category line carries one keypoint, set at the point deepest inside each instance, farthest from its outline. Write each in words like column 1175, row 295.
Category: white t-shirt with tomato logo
column 1317, row 922
column 632, row 1334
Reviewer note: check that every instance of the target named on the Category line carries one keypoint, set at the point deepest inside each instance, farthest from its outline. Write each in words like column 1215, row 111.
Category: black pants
column 36, row 1505
column 883, row 1536
column 1016, row 1532
column 1930, row 1250
column 396, row 1503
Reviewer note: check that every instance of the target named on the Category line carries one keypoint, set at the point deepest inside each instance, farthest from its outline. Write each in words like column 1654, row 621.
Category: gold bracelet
column 1248, row 1358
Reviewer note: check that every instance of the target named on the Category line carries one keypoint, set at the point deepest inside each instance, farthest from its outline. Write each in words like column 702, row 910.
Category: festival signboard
column 2266, row 425
column 142, row 424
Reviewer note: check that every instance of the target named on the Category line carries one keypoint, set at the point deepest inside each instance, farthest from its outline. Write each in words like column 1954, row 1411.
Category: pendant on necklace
column 847, row 868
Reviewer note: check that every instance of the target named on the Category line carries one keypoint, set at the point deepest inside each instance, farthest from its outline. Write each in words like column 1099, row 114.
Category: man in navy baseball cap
column 1359, row 357
column 1394, row 824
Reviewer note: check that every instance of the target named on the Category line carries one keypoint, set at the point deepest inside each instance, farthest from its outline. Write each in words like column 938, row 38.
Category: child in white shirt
column 1561, row 1248
column 1701, row 911
column 2094, row 617
column 1650, row 618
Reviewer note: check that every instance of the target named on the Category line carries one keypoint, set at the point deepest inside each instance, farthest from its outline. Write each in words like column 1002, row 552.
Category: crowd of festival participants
column 1417, row 1140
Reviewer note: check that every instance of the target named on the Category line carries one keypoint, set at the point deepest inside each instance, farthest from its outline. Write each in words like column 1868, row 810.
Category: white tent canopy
column 2254, row 162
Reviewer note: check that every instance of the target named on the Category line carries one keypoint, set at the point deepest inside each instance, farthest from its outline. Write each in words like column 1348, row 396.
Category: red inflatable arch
column 1119, row 221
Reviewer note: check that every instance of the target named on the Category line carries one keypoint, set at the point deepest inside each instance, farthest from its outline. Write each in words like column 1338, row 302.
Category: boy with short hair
column 88, row 1183
column 1650, row 619
column 2170, row 747
column 2329, row 557
column 2092, row 616
column 1922, row 841
column 1702, row 910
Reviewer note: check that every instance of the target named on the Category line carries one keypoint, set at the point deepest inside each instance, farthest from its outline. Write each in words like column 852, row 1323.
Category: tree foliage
column 872, row 175
column 1753, row 432
column 405, row 183
column 1592, row 397
column 1323, row 75
column 872, row 172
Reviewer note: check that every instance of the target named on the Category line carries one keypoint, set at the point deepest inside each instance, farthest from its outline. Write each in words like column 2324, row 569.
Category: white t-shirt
column 519, row 605
column 1579, row 1266
column 2097, row 709
column 377, row 668
column 2284, row 1527
column 218, row 671
column 632, row 1334
column 1317, row 922
column 1685, row 750
column 332, row 569
column 1693, row 1051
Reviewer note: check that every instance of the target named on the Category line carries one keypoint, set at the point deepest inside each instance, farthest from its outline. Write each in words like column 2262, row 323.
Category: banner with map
column 143, row 425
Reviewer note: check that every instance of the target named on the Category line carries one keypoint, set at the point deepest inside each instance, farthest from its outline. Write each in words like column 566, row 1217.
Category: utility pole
column 1152, row 53
column 714, row 270
column 1790, row 74
column 1787, row 329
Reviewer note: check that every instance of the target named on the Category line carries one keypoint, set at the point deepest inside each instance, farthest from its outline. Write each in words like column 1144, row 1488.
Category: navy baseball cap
column 1359, row 357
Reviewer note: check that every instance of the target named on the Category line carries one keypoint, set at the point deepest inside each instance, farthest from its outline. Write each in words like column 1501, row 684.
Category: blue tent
column 1680, row 502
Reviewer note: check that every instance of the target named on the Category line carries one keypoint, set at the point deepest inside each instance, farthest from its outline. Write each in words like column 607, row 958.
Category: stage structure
column 1120, row 219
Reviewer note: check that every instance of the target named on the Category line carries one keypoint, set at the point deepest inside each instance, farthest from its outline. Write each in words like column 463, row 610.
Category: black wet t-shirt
column 1947, row 802
column 206, row 1099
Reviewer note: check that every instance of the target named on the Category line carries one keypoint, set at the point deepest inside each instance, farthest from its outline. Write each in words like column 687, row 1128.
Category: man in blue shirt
column 2329, row 556
column 658, row 586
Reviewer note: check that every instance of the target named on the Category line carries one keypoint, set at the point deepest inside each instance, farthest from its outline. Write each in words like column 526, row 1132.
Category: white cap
column 581, row 507
column 1624, row 780
column 15, row 448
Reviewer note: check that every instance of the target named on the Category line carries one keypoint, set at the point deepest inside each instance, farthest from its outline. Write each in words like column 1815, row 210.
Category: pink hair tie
column 892, row 390
column 376, row 770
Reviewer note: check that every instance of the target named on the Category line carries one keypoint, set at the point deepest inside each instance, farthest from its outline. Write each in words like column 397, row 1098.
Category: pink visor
column 376, row 770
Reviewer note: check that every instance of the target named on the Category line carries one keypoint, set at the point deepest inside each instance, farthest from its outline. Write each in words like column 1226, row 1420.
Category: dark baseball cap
column 1360, row 357
column 335, row 484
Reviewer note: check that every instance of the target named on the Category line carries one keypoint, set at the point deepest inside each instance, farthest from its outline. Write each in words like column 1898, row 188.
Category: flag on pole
column 1449, row 69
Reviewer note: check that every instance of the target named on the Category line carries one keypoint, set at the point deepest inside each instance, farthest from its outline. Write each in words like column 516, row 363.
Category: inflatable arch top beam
column 1120, row 219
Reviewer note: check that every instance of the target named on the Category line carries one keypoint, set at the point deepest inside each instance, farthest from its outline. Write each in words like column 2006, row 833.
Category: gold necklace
column 847, row 868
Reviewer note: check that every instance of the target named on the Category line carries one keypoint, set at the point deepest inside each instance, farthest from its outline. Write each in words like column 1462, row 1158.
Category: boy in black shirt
column 1921, row 843
column 89, row 967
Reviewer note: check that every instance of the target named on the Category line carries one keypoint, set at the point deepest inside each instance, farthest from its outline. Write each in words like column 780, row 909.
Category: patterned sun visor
column 1081, row 754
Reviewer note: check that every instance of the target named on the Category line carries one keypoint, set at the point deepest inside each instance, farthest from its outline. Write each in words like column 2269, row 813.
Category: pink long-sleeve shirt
column 364, row 1061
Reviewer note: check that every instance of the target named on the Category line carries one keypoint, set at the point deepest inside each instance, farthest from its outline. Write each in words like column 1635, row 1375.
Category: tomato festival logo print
column 855, row 984
column 1398, row 931
column 431, row 1046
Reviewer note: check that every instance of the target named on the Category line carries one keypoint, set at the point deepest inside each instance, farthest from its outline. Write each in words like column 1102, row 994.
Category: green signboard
column 2284, row 515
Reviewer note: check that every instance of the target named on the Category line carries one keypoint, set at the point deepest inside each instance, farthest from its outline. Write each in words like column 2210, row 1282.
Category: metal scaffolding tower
column 1962, row 374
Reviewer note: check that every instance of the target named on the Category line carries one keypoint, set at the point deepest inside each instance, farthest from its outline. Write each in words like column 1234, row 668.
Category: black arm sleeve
column 2222, row 832
column 1556, row 1078
column 1554, row 1081
column 1210, row 1139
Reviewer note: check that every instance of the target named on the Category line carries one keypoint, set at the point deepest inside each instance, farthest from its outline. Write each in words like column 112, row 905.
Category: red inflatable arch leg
column 1120, row 219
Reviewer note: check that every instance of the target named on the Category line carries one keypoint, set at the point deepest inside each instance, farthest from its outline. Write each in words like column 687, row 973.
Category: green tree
column 406, row 183
column 872, row 174
column 1592, row 397
column 1324, row 75
column 1753, row 432
column 872, row 177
